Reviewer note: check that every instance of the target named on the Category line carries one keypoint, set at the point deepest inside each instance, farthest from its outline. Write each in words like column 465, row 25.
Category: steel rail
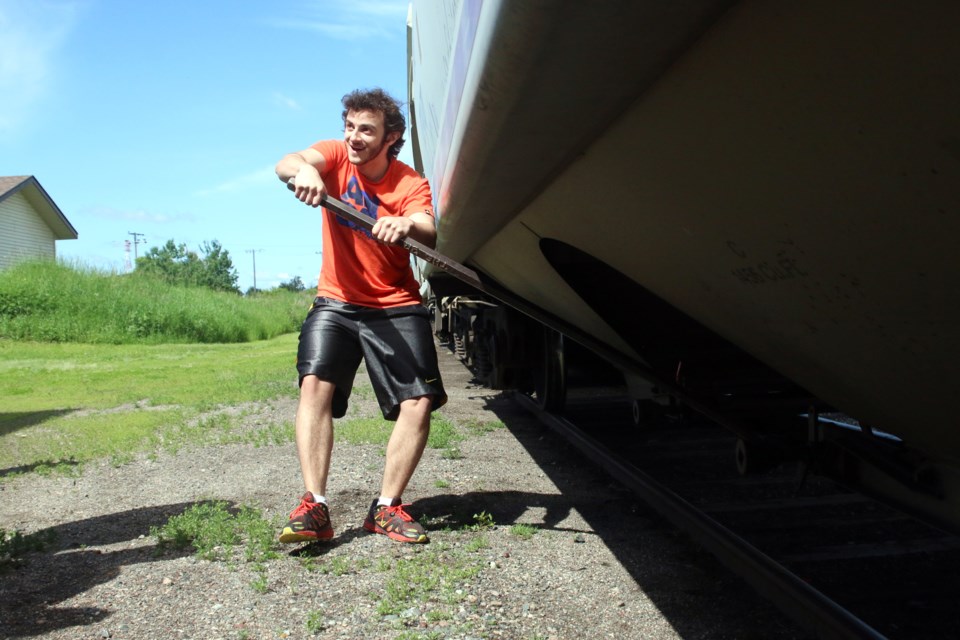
column 794, row 597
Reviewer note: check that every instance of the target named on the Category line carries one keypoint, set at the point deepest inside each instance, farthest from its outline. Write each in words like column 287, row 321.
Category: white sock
column 384, row 500
column 317, row 498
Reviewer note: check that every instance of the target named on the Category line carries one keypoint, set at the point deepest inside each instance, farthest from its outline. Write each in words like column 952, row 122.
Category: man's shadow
column 33, row 588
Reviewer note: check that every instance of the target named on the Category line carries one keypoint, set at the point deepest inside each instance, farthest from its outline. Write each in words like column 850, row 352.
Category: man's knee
column 316, row 391
column 418, row 408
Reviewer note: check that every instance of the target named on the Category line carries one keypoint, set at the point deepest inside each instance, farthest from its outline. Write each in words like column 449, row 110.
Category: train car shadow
column 690, row 587
column 35, row 587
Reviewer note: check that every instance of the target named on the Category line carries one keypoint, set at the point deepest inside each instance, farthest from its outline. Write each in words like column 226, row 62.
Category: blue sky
column 167, row 118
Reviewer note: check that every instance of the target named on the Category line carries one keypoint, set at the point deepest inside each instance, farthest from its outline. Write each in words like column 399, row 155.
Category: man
column 368, row 306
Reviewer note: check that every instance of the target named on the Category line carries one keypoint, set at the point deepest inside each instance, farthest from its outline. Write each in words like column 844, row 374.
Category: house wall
column 23, row 234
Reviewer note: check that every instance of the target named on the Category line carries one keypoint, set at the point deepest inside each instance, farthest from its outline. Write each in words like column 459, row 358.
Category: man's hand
column 308, row 188
column 301, row 171
column 392, row 229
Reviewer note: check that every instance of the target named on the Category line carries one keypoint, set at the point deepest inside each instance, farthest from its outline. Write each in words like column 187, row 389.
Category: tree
column 177, row 265
column 218, row 270
column 294, row 284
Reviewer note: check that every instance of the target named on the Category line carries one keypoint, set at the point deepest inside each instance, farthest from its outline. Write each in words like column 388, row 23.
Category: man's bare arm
column 418, row 226
column 304, row 167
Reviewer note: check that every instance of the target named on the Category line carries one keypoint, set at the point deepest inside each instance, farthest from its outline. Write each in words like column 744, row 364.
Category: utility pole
column 136, row 240
column 254, row 252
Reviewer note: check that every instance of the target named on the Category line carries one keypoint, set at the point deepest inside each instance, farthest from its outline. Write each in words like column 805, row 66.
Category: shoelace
column 302, row 508
column 398, row 511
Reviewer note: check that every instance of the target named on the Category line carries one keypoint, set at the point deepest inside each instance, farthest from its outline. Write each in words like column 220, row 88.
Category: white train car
column 751, row 204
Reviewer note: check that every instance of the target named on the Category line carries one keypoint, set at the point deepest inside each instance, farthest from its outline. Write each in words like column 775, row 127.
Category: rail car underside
column 751, row 205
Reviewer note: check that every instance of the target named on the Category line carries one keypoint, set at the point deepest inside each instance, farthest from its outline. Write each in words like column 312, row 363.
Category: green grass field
column 68, row 403
column 53, row 302
column 76, row 386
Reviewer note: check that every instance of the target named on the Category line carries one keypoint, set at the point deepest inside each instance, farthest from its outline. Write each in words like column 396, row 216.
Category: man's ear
column 391, row 137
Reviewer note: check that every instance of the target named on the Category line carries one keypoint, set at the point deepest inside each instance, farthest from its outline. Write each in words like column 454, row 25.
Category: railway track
column 839, row 563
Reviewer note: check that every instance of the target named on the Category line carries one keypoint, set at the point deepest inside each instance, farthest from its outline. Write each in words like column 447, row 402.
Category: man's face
column 364, row 134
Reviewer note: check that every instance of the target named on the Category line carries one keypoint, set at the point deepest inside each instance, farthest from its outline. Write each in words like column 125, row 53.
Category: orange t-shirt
column 356, row 268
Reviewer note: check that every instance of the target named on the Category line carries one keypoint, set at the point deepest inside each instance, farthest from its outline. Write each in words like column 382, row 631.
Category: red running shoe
column 310, row 521
column 395, row 523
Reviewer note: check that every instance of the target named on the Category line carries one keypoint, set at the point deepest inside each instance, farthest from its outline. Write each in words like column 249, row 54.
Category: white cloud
column 139, row 215
column 286, row 101
column 258, row 177
column 349, row 20
column 32, row 33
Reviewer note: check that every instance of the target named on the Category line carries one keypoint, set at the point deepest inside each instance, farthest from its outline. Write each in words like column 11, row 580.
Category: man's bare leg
column 406, row 445
column 314, row 432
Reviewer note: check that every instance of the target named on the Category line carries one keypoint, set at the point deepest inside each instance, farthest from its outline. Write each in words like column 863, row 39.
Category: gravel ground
column 601, row 564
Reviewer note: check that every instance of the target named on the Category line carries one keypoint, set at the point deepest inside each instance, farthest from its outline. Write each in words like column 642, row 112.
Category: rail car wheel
column 550, row 378
column 752, row 458
column 644, row 411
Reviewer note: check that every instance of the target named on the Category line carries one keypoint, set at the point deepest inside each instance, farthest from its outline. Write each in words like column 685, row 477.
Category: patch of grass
column 477, row 544
column 451, row 453
column 443, row 433
column 339, row 566
column 429, row 577
column 440, row 483
column 271, row 434
column 375, row 430
column 315, row 621
column 14, row 545
column 213, row 530
column 114, row 401
column 482, row 521
column 49, row 301
column 363, row 431
column 479, row 427
column 524, row 531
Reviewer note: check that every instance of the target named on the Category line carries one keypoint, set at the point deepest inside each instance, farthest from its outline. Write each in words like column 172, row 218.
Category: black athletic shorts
column 396, row 344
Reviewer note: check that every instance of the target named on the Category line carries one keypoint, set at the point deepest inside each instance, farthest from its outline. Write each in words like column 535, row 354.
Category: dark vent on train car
column 678, row 347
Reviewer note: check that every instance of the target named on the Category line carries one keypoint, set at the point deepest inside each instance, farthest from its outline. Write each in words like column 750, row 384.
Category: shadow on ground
column 33, row 589
column 15, row 420
column 699, row 597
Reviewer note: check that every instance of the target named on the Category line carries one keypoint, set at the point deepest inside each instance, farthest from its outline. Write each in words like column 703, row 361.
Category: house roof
column 41, row 201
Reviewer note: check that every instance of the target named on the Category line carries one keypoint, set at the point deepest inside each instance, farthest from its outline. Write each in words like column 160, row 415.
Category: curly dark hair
column 378, row 100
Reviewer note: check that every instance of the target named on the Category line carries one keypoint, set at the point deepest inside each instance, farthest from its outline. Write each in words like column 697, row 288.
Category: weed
column 480, row 427
column 441, row 483
column 213, row 530
column 14, row 545
column 523, row 531
column 339, row 566
column 452, row 453
column 477, row 544
column 260, row 583
column 315, row 623
column 481, row 521
column 428, row 577
column 416, row 635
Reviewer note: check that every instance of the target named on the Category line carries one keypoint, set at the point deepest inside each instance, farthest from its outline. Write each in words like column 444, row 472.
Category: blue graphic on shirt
column 362, row 201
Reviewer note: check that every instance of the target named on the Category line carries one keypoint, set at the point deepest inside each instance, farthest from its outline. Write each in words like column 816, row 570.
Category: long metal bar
column 418, row 249
column 789, row 593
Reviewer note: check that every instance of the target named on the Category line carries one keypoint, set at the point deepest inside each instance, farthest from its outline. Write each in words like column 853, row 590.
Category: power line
column 136, row 240
column 254, row 252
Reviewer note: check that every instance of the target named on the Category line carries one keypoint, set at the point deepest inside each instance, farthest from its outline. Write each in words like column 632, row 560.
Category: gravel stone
column 601, row 565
